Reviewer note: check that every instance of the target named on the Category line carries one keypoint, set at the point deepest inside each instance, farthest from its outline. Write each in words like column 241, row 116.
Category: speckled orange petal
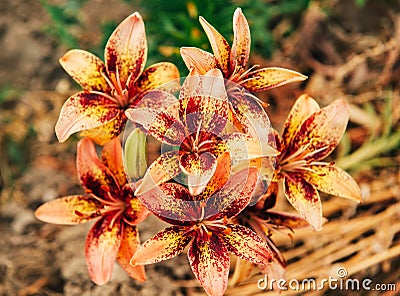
column 220, row 177
column 321, row 132
column 251, row 116
column 95, row 177
column 69, row 210
column 172, row 203
column 289, row 220
column 164, row 168
column 219, row 45
column 166, row 244
column 101, row 249
column 304, row 198
column 241, row 41
column 267, row 78
column 206, row 114
column 209, row 260
column 105, row 133
column 160, row 124
column 198, row 59
column 246, row 244
column 135, row 211
column 199, row 169
column 301, row 110
column 231, row 199
column 159, row 100
column 129, row 244
column 243, row 147
column 84, row 111
column 156, row 75
column 333, row 180
column 86, row 69
column 126, row 50
column 112, row 158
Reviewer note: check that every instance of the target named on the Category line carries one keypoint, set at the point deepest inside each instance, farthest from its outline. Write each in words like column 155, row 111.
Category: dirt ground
column 350, row 53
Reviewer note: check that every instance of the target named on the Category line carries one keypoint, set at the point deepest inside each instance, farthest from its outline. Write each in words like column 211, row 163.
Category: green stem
column 369, row 150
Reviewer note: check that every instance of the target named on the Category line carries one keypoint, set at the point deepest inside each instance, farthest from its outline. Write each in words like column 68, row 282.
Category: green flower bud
column 135, row 154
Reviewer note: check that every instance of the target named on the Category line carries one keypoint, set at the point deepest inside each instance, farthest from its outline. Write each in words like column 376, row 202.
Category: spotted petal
column 271, row 77
column 241, row 41
column 301, row 110
column 105, row 133
column 129, row 244
column 231, row 199
column 84, row 111
column 126, row 50
column 246, row 244
column 102, row 245
column 160, row 124
column 69, row 210
column 156, row 75
column 166, row 244
column 304, row 198
column 86, row 69
column 112, row 158
column 164, row 168
column 333, row 180
column 198, row 59
column 219, row 45
column 209, row 259
column 95, row 177
column 172, row 203
column 321, row 132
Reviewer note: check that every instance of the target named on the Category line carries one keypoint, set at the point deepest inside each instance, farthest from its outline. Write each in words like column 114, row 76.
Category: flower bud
column 135, row 154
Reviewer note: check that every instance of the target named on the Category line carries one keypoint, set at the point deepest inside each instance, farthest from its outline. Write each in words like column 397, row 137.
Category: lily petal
column 126, row 50
column 86, row 69
column 164, row 168
column 84, row 111
column 129, row 244
column 321, row 132
column 102, row 245
column 172, row 203
column 219, row 45
column 246, row 244
column 199, row 168
column 270, row 77
column 112, row 158
column 69, row 210
column 289, row 220
column 301, row 110
column 95, row 177
column 198, row 59
column 160, row 124
column 209, row 259
column 135, row 211
column 241, row 41
column 156, row 75
column 333, row 180
column 206, row 114
column 105, row 133
column 220, row 177
column 166, row 244
column 159, row 100
column 251, row 116
column 231, row 199
column 304, row 198
column 245, row 147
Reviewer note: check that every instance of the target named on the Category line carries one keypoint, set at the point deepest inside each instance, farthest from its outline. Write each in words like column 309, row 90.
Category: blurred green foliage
column 173, row 24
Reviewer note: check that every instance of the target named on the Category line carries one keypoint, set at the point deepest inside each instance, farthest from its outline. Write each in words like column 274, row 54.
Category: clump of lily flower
column 222, row 164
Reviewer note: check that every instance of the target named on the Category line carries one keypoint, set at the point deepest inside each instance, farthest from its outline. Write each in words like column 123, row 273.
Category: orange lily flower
column 196, row 125
column 110, row 198
column 110, row 88
column 309, row 135
column 204, row 224
column 233, row 62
